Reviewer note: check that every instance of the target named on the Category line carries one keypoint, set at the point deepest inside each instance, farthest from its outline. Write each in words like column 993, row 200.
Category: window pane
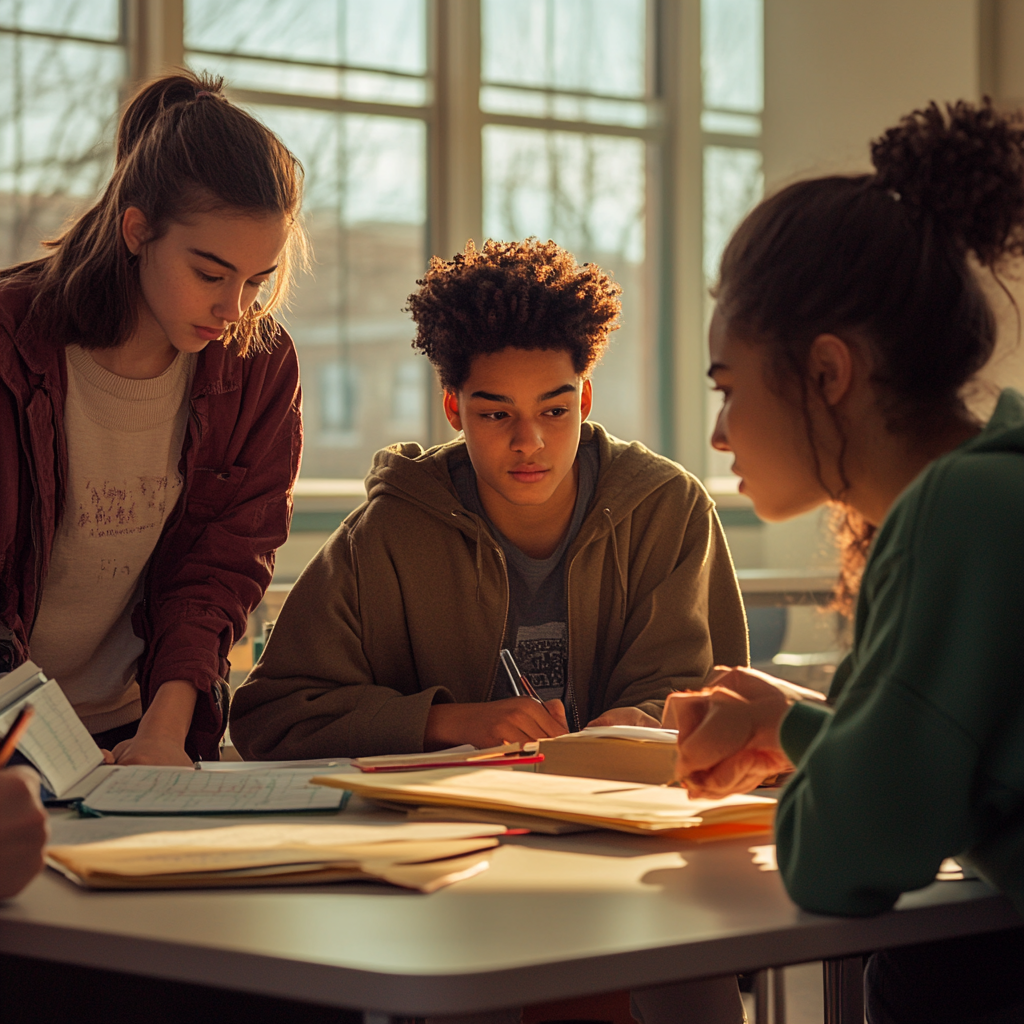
column 387, row 35
column 94, row 19
column 56, row 145
column 580, row 45
column 498, row 99
column 588, row 193
column 296, row 79
column 733, row 183
column 732, row 54
column 365, row 210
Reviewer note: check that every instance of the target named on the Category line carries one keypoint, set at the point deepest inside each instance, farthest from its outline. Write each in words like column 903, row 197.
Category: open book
column 622, row 806
column 417, row 856
column 72, row 766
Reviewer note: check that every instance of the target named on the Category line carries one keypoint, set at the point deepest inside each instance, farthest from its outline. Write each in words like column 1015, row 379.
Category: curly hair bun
column 963, row 166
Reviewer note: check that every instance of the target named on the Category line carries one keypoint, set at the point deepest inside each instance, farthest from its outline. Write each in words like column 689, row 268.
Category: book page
column 141, row 789
column 14, row 685
column 57, row 742
column 627, row 732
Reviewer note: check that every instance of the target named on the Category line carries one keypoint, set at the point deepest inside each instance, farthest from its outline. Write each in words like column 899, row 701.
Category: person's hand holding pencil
column 519, row 719
column 24, row 828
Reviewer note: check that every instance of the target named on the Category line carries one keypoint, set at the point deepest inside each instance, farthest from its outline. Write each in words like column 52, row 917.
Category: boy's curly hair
column 529, row 295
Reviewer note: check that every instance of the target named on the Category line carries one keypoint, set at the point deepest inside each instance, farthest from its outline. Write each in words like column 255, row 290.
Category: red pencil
column 10, row 742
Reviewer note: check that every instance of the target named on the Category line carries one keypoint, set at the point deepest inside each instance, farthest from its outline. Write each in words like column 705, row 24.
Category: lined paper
column 140, row 789
column 56, row 742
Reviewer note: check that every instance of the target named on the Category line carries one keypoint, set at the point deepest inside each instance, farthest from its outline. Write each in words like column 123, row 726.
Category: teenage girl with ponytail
column 149, row 424
column 850, row 317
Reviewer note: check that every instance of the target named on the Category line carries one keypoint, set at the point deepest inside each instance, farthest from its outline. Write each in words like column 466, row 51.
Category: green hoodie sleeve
column 922, row 757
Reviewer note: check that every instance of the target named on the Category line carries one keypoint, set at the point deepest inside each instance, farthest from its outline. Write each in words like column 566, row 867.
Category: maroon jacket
column 215, row 557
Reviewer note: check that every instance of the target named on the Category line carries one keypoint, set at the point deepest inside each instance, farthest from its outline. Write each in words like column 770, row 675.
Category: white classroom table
column 554, row 917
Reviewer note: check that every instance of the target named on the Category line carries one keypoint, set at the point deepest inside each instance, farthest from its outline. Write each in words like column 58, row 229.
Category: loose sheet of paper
column 56, row 742
column 649, row 807
column 144, row 790
column 335, row 765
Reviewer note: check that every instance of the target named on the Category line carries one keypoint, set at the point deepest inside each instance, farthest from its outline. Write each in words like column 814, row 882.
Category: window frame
column 154, row 35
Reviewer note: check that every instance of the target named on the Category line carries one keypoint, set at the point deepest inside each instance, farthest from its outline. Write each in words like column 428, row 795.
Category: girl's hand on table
column 156, row 750
column 163, row 729
column 728, row 732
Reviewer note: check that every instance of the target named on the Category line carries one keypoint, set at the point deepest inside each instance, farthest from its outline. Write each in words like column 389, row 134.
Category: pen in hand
column 10, row 742
column 520, row 684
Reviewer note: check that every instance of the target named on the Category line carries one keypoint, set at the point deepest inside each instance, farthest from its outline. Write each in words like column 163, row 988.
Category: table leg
column 761, row 997
column 844, row 990
column 778, row 995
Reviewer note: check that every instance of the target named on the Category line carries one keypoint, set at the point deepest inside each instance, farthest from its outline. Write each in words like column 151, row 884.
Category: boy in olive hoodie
column 601, row 565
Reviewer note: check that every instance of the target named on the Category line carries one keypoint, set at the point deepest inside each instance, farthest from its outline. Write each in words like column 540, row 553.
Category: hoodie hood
column 628, row 473
column 1004, row 432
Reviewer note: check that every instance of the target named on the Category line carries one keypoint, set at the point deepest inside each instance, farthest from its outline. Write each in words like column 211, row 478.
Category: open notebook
column 72, row 767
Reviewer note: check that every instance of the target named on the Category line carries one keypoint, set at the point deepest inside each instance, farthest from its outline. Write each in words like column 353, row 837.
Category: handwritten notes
column 56, row 742
column 144, row 790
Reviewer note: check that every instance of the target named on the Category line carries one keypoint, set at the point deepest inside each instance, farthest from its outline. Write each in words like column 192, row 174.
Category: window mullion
column 456, row 151
column 155, row 37
column 682, row 395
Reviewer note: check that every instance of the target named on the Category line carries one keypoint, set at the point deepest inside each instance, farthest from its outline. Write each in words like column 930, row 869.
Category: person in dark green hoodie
column 850, row 317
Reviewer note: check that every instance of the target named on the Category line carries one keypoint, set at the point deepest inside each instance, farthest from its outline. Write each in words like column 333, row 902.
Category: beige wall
column 838, row 72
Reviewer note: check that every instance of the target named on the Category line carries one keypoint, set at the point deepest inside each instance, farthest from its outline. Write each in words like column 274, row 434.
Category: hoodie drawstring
column 620, row 572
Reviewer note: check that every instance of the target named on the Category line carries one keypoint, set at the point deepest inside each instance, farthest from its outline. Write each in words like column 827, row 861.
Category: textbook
column 417, row 856
column 627, row 753
column 72, row 767
column 623, row 807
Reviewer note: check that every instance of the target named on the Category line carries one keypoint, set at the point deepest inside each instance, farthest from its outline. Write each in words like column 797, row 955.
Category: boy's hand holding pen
column 520, row 719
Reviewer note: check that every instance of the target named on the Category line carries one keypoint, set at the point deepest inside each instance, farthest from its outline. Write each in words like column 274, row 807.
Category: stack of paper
column 416, row 856
column 624, row 807
column 464, row 756
column 627, row 753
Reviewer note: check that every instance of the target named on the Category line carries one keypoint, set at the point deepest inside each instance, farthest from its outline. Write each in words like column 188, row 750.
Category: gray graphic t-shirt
column 536, row 630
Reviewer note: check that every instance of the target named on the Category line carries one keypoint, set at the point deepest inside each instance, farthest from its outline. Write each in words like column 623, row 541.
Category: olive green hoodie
column 405, row 607
column 923, row 757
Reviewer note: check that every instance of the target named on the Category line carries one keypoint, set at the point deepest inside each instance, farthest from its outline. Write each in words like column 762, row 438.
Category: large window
column 568, row 109
column 62, row 66
column 344, row 83
column 422, row 123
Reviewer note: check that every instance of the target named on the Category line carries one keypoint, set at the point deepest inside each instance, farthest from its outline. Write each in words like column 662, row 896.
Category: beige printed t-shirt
column 124, row 441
